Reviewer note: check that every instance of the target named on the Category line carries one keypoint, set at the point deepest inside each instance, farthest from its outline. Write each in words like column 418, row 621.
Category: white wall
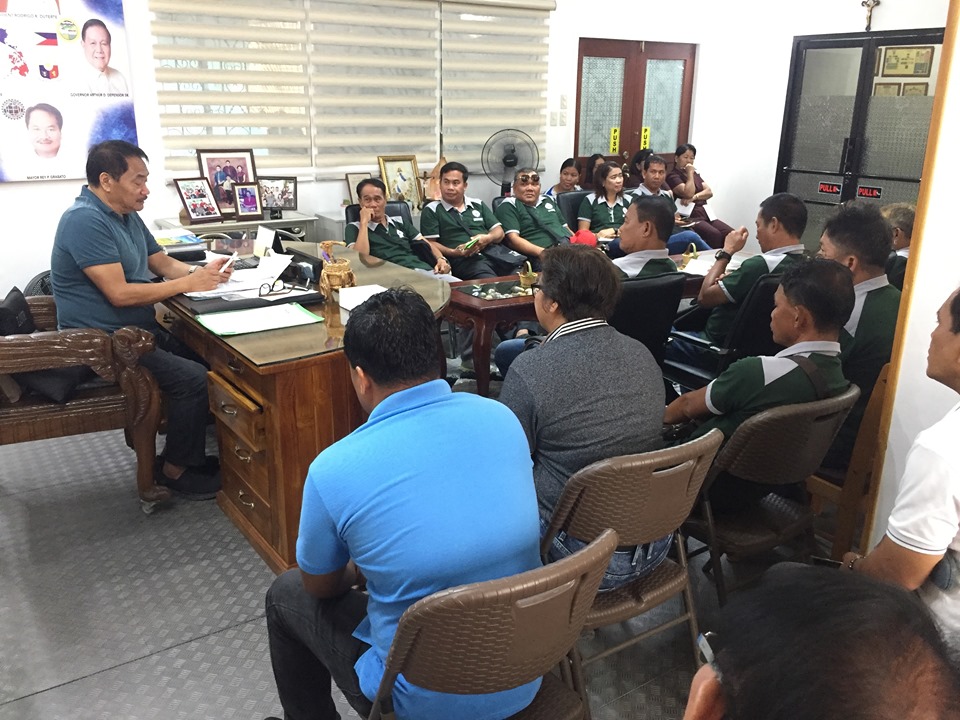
column 741, row 75
column 919, row 402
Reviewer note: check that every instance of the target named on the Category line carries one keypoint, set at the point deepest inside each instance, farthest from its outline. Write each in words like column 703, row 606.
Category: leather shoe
column 193, row 484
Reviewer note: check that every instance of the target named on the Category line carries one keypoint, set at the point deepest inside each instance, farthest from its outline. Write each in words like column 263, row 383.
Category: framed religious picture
column 224, row 169
column 402, row 178
column 248, row 204
column 886, row 89
column 352, row 180
column 278, row 193
column 899, row 61
column 915, row 88
column 198, row 200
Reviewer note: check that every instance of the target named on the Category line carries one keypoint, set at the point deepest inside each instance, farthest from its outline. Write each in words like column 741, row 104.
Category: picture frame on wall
column 248, row 204
column 278, row 193
column 901, row 61
column 886, row 89
column 225, row 169
column 198, row 200
column 352, row 180
column 402, row 178
column 915, row 89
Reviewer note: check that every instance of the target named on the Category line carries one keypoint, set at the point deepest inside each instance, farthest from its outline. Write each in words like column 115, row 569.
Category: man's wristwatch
column 723, row 255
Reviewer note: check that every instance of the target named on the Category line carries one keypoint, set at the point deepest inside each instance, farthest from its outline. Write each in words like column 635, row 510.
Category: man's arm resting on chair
column 689, row 406
column 711, row 293
column 893, row 563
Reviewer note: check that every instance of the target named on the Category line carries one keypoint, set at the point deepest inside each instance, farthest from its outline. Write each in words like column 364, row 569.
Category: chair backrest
column 647, row 308
column 569, row 204
column 750, row 334
column 643, row 497
column 785, row 444
column 396, row 208
column 496, row 635
column 495, row 203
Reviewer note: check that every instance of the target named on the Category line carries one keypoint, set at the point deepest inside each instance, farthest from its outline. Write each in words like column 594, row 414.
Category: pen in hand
column 229, row 262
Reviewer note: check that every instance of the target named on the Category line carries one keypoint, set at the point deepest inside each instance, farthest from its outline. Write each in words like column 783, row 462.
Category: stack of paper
column 272, row 317
column 265, row 273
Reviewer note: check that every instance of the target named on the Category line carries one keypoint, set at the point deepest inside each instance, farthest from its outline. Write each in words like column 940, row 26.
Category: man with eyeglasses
column 531, row 221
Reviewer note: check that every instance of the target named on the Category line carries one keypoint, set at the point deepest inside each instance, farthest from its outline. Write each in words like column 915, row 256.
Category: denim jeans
column 625, row 566
column 312, row 642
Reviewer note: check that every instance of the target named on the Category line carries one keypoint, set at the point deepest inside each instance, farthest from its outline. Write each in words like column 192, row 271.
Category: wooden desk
column 280, row 397
column 484, row 316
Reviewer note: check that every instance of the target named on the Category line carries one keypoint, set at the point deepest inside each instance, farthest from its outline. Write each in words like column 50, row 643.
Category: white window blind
column 494, row 75
column 328, row 85
column 233, row 75
column 374, row 82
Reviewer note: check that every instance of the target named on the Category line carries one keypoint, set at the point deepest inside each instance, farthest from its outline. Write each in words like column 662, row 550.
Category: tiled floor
column 109, row 613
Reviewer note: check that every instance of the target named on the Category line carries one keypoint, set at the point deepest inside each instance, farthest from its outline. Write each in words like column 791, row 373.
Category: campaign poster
column 64, row 85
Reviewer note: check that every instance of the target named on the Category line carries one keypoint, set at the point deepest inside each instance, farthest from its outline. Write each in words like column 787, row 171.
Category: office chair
column 569, row 204
column 647, row 308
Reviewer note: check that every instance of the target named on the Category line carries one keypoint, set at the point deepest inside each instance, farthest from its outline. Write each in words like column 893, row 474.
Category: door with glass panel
column 856, row 120
column 632, row 95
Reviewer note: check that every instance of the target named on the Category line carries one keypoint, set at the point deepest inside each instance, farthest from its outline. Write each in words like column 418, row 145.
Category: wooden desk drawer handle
column 234, row 365
column 240, row 496
column 242, row 453
column 228, row 409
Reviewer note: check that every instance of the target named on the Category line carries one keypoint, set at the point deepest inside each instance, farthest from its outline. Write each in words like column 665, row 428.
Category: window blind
column 326, row 86
column 494, row 61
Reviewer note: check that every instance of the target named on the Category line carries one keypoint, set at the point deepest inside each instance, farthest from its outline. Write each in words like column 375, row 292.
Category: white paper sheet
column 272, row 317
column 267, row 271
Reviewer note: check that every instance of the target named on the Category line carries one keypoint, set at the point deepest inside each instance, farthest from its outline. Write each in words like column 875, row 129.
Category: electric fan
column 504, row 152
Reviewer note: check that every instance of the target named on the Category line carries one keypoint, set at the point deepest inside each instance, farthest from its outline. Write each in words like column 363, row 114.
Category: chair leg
column 715, row 554
column 579, row 681
column 688, row 597
column 144, row 437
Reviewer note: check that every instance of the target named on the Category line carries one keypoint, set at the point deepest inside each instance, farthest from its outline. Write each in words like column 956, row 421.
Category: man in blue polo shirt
column 101, row 268
column 382, row 506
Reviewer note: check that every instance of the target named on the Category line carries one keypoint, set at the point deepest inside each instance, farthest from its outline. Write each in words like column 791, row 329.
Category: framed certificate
column 901, row 61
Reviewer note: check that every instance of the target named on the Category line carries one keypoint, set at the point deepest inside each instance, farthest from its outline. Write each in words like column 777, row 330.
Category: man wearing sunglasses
column 531, row 221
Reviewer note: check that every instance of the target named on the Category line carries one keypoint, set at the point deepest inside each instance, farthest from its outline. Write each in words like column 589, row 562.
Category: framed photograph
column 899, row 61
column 278, row 193
column 352, row 180
column 915, row 88
column 224, row 169
column 402, row 178
column 248, row 203
column 886, row 89
column 198, row 200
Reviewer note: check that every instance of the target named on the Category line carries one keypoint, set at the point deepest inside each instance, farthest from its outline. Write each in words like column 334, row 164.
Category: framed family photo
column 402, row 178
column 198, row 200
column 225, row 169
column 278, row 193
column 352, row 180
column 249, row 206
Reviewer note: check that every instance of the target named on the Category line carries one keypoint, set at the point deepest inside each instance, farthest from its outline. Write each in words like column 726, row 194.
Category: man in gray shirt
column 587, row 393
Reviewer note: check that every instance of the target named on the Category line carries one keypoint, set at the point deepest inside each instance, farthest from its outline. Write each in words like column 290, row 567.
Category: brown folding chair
column 643, row 497
column 779, row 446
column 500, row 634
column 855, row 492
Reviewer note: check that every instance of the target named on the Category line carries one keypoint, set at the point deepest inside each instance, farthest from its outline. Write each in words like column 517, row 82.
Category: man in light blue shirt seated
column 389, row 507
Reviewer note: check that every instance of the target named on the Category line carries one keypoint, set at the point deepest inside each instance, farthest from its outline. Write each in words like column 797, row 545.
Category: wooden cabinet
column 279, row 398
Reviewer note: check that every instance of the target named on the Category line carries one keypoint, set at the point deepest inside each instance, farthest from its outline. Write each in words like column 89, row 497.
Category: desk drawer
column 248, row 503
column 235, row 370
column 245, row 462
column 236, row 411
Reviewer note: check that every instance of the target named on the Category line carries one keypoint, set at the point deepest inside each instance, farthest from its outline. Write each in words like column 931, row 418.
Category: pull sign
column 645, row 138
column 829, row 188
column 869, row 191
column 614, row 140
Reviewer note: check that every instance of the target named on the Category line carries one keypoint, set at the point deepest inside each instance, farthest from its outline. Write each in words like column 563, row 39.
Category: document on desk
column 702, row 264
column 266, row 272
column 353, row 296
column 272, row 317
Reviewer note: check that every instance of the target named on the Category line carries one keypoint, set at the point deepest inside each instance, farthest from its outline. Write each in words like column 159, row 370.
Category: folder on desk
column 273, row 317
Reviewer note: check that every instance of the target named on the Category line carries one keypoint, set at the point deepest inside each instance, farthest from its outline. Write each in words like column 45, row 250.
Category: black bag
column 503, row 260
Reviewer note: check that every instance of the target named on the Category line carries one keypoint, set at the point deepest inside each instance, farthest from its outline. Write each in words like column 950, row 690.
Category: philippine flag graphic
column 48, row 38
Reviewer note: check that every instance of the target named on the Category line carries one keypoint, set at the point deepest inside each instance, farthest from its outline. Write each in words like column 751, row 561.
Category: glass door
column 856, row 122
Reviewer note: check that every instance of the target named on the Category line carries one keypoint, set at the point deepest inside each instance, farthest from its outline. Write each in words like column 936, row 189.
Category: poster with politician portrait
column 64, row 85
